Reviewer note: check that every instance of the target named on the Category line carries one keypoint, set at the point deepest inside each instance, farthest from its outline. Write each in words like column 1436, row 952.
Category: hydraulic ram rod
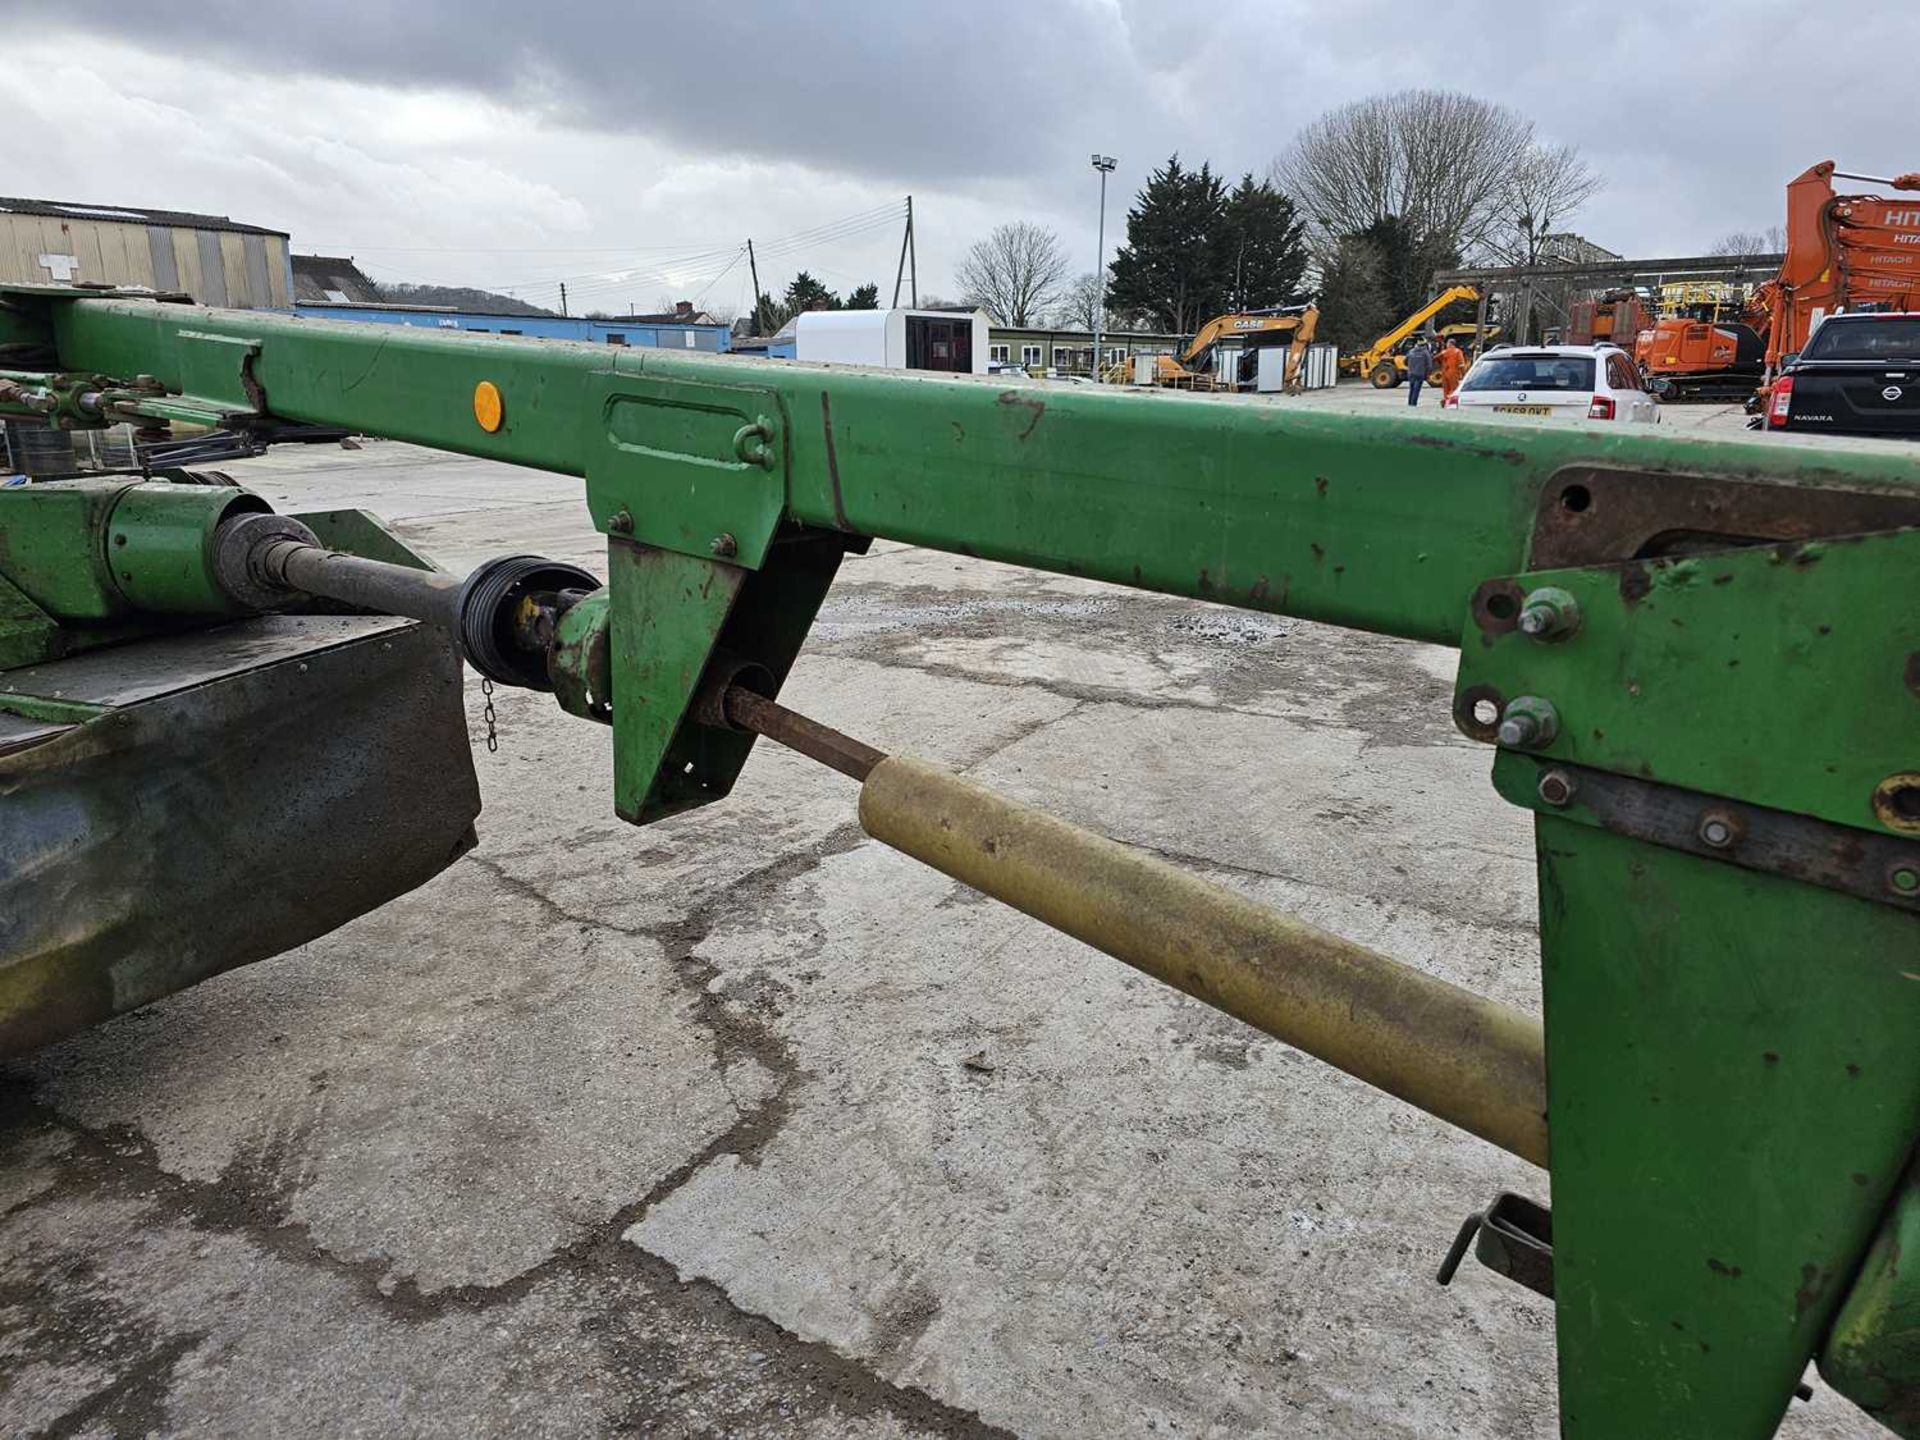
column 1472, row 1062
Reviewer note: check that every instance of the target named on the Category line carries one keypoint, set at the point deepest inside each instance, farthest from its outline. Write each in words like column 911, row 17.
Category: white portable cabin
column 940, row 340
column 1318, row 368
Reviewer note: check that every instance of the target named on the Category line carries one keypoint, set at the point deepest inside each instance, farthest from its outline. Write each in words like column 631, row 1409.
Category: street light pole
column 1104, row 164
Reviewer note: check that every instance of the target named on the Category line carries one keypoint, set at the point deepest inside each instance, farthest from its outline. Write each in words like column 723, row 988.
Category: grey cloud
column 988, row 88
column 1697, row 117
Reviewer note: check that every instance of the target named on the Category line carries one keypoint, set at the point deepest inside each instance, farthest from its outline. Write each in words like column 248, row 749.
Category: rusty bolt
column 725, row 546
column 622, row 522
column 1528, row 723
column 1718, row 830
column 1549, row 613
column 1904, row 880
column 1556, row 788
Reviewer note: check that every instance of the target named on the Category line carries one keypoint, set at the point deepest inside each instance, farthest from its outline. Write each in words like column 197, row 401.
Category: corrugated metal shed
column 216, row 260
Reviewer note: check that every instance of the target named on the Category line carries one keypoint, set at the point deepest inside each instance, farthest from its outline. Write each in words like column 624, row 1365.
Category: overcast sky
column 629, row 148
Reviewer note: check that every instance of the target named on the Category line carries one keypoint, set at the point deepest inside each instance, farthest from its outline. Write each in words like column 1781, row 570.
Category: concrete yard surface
column 745, row 1125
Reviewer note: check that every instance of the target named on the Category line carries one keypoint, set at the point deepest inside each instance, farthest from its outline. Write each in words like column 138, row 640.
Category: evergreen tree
column 1354, row 305
column 1194, row 250
column 807, row 293
column 867, row 297
column 1407, row 262
column 1263, row 247
column 1171, row 266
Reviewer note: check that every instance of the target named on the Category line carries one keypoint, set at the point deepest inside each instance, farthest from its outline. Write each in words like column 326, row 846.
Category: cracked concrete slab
column 451, row 1088
column 186, row 1320
column 1153, row 1216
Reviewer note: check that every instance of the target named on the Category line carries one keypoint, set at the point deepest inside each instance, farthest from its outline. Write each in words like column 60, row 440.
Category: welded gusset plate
column 1796, row 847
column 1777, row 676
column 1734, row 1093
column 1594, row 516
column 668, row 616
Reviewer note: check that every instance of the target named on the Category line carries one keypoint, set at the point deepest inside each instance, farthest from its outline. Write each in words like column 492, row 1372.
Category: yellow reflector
column 488, row 408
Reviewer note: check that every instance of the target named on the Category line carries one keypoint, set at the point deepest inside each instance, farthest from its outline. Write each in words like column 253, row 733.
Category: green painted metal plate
column 686, row 465
column 1780, row 675
column 1733, row 1091
column 670, row 616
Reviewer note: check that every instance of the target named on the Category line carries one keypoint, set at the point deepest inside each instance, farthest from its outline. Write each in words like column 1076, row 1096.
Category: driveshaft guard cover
column 226, row 813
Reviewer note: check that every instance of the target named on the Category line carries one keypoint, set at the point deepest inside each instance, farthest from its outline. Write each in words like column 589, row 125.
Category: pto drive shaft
column 1470, row 1061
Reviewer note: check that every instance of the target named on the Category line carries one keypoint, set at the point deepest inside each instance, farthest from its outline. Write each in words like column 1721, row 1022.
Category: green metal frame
column 1734, row 1078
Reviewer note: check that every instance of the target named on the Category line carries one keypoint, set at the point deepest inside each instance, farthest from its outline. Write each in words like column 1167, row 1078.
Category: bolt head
column 1716, row 831
column 621, row 523
column 1556, row 788
column 1904, row 880
column 1528, row 723
column 1549, row 614
column 725, row 546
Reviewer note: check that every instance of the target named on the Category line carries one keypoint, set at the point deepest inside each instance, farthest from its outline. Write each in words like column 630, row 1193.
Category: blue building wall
column 540, row 327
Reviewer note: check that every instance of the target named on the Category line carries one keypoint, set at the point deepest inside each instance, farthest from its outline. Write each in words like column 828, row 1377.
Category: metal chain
column 493, row 736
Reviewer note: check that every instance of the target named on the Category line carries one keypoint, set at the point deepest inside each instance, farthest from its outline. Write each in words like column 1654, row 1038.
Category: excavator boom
column 1843, row 252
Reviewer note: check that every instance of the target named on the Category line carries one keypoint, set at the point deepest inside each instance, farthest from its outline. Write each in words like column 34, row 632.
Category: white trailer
column 940, row 340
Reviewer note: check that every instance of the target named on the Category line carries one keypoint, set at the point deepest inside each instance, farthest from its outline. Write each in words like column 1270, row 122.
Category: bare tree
column 1015, row 273
column 1077, row 303
column 1442, row 162
column 1547, row 186
column 1079, row 300
column 1745, row 244
column 1460, row 175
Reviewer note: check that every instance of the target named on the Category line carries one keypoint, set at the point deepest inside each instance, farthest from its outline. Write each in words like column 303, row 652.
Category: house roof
column 128, row 215
column 670, row 317
column 332, row 279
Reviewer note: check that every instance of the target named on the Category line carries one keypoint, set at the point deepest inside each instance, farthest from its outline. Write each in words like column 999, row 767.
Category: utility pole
column 913, row 258
column 900, row 270
column 563, row 297
column 759, row 311
column 1104, row 164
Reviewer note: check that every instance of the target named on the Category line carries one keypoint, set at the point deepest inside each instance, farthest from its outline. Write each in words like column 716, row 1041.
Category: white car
column 1556, row 382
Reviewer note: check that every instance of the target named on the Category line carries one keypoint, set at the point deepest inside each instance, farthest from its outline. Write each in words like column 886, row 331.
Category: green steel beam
column 1381, row 525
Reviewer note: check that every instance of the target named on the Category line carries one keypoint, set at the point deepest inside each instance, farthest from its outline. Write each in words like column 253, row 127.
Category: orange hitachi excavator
column 1844, row 252
column 1709, row 345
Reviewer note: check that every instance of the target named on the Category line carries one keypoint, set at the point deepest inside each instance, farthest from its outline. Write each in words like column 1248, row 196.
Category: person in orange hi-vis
column 1451, row 366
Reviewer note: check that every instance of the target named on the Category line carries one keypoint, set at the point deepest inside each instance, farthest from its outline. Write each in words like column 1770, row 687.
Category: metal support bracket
column 668, row 616
column 1885, row 868
column 1689, row 670
column 1511, row 1237
column 686, row 465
